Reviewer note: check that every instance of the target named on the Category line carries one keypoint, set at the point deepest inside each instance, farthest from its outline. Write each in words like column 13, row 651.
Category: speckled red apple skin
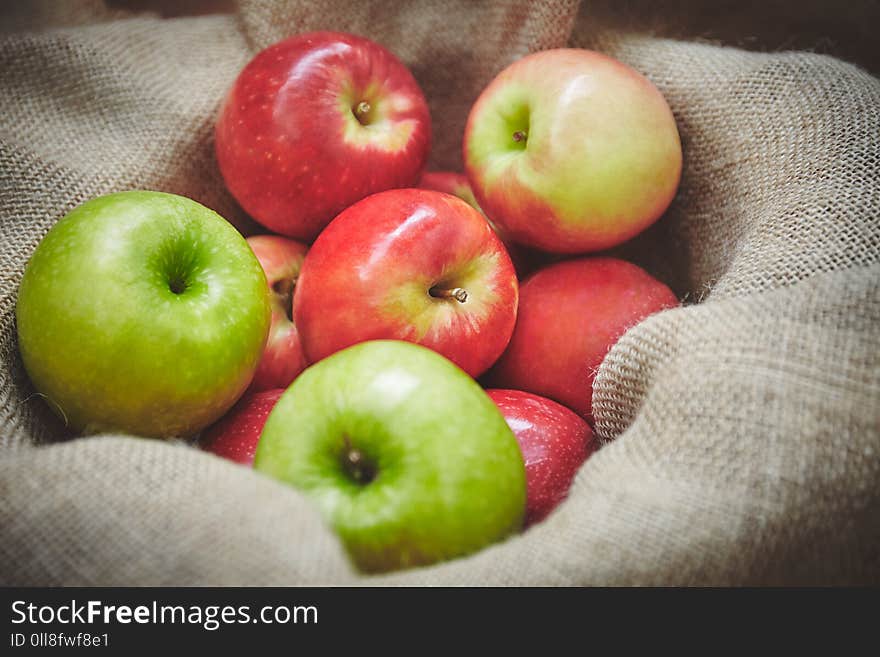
column 554, row 442
column 407, row 239
column 283, row 358
column 236, row 435
column 570, row 314
column 280, row 132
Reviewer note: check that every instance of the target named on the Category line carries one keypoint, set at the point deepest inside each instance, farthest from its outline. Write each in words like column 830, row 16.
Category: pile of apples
column 341, row 354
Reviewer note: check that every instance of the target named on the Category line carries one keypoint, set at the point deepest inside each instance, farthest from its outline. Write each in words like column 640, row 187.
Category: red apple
column 408, row 264
column 570, row 314
column 282, row 358
column 554, row 443
column 236, row 435
column 524, row 259
column 571, row 151
column 315, row 123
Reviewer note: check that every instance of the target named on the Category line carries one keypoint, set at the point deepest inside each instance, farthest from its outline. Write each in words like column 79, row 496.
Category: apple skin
column 142, row 312
column 450, row 182
column 524, row 260
column 376, row 270
column 289, row 141
column 554, row 442
column 283, row 358
column 236, row 434
column 406, row 456
column 570, row 314
column 571, row 151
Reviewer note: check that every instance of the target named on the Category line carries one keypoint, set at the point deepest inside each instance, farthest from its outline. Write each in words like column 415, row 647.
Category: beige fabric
column 743, row 430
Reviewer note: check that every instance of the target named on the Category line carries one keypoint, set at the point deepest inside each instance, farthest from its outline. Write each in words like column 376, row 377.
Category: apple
column 315, row 123
column 236, row 434
column 408, row 264
column 405, row 455
column 570, row 314
column 554, row 442
column 283, row 358
column 144, row 313
column 571, row 151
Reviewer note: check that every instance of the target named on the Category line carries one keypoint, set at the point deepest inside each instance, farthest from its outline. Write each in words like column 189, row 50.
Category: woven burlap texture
column 742, row 430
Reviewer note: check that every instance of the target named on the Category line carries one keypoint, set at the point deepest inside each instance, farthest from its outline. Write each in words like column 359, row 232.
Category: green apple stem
column 356, row 465
column 457, row 293
column 520, row 135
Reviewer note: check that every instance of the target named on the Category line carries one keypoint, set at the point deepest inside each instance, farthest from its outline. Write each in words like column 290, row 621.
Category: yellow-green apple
column 283, row 359
column 236, row 434
column 316, row 122
column 408, row 264
column 405, row 455
column 144, row 313
column 554, row 442
column 571, row 151
column 570, row 314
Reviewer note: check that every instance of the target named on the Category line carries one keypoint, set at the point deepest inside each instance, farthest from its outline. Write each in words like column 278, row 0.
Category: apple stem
column 361, row 110
column 457, row 293
column 356, row 465
column 520, row 135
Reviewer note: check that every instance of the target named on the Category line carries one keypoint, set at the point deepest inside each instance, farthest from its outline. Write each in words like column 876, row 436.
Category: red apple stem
column 457, row 293
column 361, row 110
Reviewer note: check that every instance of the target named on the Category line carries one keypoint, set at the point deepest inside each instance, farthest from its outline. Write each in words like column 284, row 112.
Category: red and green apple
column 408, row 264
column 571, row 151
column 315, row 123
column 570, row 314
column 283, row 358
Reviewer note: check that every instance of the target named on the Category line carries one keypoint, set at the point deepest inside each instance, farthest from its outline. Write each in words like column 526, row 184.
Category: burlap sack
column 743, row 428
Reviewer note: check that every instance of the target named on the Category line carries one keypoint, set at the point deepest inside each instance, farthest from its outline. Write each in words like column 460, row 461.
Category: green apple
column 142, row 312
column 407, row 457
